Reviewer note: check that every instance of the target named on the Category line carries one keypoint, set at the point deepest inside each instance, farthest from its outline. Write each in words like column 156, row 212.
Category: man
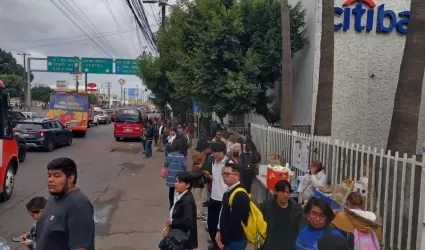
column 155, row 132
column 218, row 137
column 284, row 218
column 160, row 132
column 67, row 220
column 218, row 188
column 149, row 138
column 231, row 235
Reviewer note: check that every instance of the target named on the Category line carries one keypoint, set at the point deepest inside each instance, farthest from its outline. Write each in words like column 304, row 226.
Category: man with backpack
column 231, row 234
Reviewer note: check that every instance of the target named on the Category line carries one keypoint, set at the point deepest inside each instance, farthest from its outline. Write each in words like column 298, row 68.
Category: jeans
column 144, row 146
column 237, row 245
column 148, row 148
column 214, row 208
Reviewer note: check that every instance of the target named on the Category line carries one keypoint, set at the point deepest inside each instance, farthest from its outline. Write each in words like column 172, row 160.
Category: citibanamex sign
column 91, row 87
column 386, row 20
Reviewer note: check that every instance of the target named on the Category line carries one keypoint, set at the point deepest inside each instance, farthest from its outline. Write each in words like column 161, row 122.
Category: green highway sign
column 62, row 64
column 96, row 65
column 126, row 66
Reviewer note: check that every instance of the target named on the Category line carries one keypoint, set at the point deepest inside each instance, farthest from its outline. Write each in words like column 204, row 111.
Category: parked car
column 103, row 117
column 111, row 113
column 95, row 119
column 44, row 133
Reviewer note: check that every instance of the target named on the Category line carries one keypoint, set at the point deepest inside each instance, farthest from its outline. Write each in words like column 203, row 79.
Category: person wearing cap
column 231, row 235
column 217, row 190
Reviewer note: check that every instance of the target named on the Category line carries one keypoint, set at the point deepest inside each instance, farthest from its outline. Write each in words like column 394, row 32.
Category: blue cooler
column 327, row 198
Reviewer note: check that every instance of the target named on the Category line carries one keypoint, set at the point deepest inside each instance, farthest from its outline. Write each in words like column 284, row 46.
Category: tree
column 41, row 94
column 404, row 123
column 8, row 65
column 224, row 54
column 286, row 96
column 14, row 85
column 323, row 115
column 92, row 98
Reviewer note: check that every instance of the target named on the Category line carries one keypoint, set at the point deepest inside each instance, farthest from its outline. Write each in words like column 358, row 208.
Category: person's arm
column 184, row 164
column 187, row 220
column 240, row 211
column 318, row 180
column 80, row 226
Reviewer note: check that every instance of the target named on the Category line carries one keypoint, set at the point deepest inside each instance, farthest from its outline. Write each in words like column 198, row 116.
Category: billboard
column 133, row 92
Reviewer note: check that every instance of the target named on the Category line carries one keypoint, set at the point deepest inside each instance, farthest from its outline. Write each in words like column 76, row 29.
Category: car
column 44, row 133
column 95, row 120
column 103, row 117
column 128, row 124
column 111, row 113
column 30, row 115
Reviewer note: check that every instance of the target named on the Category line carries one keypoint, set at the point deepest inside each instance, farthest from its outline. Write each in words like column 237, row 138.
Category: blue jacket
column 175, row 163
column 149, row 133
column 307, row 238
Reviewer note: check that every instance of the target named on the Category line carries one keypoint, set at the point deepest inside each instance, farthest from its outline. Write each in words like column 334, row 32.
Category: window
column 54, row 124
column 18, row 116
column 29, row 126
column 59, row 125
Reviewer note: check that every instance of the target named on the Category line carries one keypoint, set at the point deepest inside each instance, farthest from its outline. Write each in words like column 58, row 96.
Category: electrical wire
column 140, row 16
column 82, row 30
column 68, row 42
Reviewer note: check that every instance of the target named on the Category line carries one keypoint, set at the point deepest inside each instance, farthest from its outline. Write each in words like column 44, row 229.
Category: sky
column 39, row 28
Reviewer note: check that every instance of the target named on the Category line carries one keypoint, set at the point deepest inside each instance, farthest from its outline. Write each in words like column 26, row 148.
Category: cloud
column 39, row 28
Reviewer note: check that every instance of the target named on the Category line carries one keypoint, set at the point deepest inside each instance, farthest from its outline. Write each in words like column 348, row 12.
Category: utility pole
column 163, row 14
column 109, row 86
column 27, row 88
column 137, row 94
column 85, row 82
column 124, row 94
column 121, row 82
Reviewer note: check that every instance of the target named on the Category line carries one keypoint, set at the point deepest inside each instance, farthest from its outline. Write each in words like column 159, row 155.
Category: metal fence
column 394, row 181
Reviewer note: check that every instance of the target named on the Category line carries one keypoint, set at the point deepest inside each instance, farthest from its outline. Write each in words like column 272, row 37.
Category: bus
column 71, row 109
column 9, row 150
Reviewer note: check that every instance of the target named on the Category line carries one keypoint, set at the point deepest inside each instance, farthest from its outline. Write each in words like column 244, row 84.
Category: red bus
column 128, row 124
column 8, row 149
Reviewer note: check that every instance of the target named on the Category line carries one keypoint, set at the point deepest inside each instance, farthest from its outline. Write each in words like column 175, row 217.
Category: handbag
column 176, row 240
column 164, row 172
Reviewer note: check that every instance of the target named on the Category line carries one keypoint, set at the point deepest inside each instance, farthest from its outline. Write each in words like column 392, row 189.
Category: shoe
column 205, row 204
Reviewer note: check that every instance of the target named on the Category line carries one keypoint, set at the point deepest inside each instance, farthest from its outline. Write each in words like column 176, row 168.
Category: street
column 129, row 196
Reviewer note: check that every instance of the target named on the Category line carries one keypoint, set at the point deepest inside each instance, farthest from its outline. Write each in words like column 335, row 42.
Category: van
column 128, row 124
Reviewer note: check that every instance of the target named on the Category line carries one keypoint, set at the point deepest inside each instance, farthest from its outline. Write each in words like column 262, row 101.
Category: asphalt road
column 98, row 166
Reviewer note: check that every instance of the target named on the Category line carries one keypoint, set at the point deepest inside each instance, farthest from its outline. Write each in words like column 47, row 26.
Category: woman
column 232, row 140
column 198, row 159
column 183, row 211
column 175, row 163
column 319, row 216
column 354, row 219
column 248, row 174
column 315, row 178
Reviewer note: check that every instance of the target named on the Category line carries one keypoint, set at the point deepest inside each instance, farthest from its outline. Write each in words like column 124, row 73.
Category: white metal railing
column 395, row 182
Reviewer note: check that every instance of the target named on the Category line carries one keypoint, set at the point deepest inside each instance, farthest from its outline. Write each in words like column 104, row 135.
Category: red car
column 128, row 124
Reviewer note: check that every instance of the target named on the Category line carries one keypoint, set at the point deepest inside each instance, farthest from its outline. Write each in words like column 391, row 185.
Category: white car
column 103, row 117
column 95, row 120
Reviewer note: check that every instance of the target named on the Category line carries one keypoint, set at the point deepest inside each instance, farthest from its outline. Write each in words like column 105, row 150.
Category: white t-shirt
column 218, row 187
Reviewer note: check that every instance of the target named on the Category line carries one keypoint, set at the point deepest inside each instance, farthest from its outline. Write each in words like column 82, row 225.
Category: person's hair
column 149, row 122
column 218, row 146
column 36, row 204
column 318, row 164
column 185, row 177
column 236, row 146
column 282, row 185
column 66, row 165
column 177, row 145
column 356, row 199
column 240, row 140
column 323, row 205
column 234, row 166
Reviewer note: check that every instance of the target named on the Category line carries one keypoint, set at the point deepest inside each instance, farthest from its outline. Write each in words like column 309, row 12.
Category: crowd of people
column 221, row 167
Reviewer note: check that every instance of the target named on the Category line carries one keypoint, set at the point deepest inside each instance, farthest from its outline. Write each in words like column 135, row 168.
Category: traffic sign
column 96, row 65
column 62, row 64
column 126, row 66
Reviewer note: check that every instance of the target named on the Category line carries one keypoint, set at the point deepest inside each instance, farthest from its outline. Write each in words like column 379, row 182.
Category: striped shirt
column 175, row 163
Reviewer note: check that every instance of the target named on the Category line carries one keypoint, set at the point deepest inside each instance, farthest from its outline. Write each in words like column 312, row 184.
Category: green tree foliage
column 92, row 98
column 41, row 94
column 224, row 54
column 8, row 65
column 14, row 85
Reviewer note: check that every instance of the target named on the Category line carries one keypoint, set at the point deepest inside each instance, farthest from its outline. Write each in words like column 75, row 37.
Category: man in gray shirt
column 67, row 219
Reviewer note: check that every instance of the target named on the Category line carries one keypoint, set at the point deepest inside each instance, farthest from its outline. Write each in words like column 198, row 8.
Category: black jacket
column 296, row 222
column 184, row 218
column 185, row 145
column 231, row 229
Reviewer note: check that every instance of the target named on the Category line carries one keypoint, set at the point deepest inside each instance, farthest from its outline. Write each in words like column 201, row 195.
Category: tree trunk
column 286, row 95
column 404, row 123
column 323, row 116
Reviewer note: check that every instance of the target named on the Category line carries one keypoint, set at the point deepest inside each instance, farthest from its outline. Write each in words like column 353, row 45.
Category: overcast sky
column 39, row 28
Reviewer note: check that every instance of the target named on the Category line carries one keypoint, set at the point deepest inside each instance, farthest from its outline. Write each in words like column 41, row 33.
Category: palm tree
column 323, row 116
column 286, row 95
column 404, row 123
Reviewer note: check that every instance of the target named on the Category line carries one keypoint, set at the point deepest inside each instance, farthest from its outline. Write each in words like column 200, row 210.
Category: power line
column 68, row 42
column 82, row 30
column 140, row 17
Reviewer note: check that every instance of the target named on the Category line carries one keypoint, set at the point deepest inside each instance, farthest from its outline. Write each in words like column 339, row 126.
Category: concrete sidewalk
column 132, row 211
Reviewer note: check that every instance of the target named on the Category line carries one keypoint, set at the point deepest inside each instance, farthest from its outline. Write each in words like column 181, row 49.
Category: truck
column 71, row 109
